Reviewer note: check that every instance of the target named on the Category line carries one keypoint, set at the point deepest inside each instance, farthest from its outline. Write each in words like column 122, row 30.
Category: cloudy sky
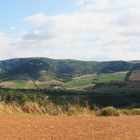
column 72, row 29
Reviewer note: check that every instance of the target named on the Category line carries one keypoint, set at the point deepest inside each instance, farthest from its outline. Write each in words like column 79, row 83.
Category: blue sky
column 71, row 29
column 11, row 12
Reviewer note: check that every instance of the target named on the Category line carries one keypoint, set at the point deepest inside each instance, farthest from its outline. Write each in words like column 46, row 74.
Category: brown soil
column 135, row 75
column 27, row 127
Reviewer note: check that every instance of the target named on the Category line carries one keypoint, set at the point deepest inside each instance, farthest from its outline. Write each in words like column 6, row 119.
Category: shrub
column 107, row 111
column 130, row 112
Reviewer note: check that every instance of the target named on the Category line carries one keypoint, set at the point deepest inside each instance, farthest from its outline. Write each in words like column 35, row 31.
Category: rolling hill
column 46, row 72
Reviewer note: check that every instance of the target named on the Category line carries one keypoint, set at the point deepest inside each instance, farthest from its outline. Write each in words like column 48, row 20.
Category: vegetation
column 112, row 111
column 119, row 88
column 55, row 87
column 95, row 79
column 75, row 83
column 135, row 111
column 108, row 111
column 67, row 102
column 51, row 109
column 47, row 69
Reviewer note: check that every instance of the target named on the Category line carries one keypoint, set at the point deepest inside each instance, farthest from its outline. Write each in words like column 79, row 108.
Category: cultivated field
column 93, row 79
column 29, row 127
column 135, row 75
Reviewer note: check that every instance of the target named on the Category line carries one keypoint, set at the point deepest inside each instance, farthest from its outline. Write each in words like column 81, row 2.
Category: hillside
column 45, row 72
column 89, row 81
column 43, row 69
column 36, row 68
column 134, row 73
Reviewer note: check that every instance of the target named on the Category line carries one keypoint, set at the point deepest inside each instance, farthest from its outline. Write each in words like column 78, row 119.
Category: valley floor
column 31, row 127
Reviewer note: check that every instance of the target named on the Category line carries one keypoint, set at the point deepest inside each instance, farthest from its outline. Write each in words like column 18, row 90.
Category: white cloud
column 4, row 45
column 99, row 30
column 39, row 19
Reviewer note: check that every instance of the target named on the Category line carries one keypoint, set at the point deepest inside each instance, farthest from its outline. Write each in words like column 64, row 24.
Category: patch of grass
column 76, row 83
column 108, row 77
column 15, row 84
column 94, row 79
column 53, row 109
column 10, row 108
column 32, row 107
column 74, row 110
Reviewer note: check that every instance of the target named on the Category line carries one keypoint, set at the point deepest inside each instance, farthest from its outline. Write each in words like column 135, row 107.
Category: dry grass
column 77, row 110
column 130, row 112
column 10, row 108
column 52, row 109
column 48, row 108
column 112, row 111
column 107, row 111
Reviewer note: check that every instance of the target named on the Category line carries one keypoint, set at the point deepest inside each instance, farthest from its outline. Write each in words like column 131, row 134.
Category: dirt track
column 26, row 127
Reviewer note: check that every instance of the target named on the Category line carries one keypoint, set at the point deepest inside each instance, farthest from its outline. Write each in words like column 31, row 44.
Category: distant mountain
column 45, row 69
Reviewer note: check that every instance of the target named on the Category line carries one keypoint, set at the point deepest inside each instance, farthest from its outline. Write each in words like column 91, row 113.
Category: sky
column 98, row 30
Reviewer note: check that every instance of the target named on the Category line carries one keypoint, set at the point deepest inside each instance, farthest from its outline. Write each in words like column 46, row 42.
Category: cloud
column 39, row 19
column 4, row 45
column 98, row 30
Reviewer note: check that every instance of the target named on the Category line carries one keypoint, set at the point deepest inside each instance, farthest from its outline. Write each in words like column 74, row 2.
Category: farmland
column 94, row 79
column 28, row 127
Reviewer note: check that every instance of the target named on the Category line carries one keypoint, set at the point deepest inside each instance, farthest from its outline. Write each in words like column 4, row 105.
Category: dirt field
column 27, row 127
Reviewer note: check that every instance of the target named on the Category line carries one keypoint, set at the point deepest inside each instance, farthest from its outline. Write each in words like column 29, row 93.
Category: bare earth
column 28, row 127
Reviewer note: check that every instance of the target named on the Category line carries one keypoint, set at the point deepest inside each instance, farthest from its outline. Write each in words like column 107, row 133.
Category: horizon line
column 12, row 58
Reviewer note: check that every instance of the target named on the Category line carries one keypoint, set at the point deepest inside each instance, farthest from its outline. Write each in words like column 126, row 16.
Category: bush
column 130, row 112
column 107, row 111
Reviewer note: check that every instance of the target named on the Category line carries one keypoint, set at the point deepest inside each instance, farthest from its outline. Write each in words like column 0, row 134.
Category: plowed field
column 30, row 127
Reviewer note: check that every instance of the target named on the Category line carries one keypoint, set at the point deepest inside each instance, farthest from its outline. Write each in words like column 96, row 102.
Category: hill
column 36, row 68
column 46, row 72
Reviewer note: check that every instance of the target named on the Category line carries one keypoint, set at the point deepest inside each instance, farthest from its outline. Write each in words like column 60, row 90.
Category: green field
column 76, row 83
column 94, row 79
